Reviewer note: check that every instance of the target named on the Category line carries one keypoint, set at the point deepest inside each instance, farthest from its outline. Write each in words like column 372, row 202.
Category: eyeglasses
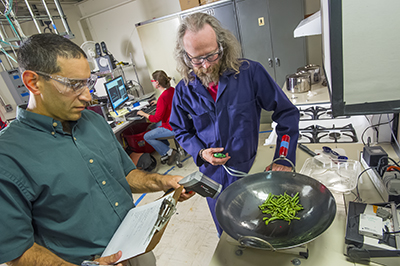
column 71, row 86
column 199, row 60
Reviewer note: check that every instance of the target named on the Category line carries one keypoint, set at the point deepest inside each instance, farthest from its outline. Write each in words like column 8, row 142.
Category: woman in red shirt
column 3, row 125
column 161, row 82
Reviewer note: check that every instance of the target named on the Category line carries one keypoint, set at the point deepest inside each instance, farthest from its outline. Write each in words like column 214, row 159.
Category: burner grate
column 320, row 134
column 317, row 113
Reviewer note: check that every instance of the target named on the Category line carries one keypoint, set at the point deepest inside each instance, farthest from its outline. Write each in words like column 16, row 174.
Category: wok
column 239, row 216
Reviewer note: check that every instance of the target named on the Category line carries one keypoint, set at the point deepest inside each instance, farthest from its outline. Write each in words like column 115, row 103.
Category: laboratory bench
column 328, row 248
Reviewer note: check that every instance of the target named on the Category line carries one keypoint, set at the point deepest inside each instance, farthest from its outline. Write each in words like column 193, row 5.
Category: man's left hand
column 112, row 259
column 279, row 167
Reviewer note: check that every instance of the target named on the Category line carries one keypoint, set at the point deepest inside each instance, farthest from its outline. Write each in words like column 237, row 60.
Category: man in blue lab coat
column 217, row 104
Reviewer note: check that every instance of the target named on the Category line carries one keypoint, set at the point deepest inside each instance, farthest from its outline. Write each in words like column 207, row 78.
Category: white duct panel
column 309, row 26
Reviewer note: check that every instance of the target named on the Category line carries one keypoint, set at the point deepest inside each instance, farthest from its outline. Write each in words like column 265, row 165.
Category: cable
column 234, row 172
column 9, row 56
column 387, row 157
column 394, row 232
column 7, row 12
column 9, row 8
column 9, row 44
column 379, row 124
column 394, row 137
column 377, row 128
column 371, row 168
column 358, row 179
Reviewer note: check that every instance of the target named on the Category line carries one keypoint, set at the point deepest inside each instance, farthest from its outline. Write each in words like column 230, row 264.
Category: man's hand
column 110, row 260
column 279, row 167
column 208, row 155
column 171, row 181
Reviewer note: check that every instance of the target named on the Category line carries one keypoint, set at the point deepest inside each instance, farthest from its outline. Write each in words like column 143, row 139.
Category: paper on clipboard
column 136, row 234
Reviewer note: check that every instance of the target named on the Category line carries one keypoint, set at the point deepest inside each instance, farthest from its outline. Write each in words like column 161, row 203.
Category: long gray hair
column 232, row 51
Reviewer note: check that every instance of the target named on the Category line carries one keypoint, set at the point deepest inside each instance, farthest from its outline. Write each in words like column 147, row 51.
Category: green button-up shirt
column 66, row 192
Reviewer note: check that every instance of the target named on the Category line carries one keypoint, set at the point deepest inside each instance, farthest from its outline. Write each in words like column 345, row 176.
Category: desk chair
column 181, row 152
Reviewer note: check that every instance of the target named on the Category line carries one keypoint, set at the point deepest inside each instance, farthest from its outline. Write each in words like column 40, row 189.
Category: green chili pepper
column 281, row 207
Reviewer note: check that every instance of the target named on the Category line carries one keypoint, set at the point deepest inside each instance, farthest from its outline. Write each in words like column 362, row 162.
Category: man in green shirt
column 65, row 181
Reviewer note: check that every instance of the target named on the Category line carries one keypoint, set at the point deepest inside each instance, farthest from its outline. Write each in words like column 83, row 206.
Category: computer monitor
column 116, row 92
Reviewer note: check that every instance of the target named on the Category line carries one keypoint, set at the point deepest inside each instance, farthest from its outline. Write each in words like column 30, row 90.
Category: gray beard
column 207, row 78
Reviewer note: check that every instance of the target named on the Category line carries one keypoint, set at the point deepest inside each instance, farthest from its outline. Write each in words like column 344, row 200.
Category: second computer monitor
column 116, row 92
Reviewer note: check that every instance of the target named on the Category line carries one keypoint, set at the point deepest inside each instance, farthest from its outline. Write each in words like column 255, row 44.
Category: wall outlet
column 8, row 108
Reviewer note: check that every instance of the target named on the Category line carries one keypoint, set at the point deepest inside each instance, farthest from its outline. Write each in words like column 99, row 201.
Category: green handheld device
column 219, row 155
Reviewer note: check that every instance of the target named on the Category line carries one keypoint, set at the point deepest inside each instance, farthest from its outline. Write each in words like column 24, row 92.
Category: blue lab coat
column 232, row 121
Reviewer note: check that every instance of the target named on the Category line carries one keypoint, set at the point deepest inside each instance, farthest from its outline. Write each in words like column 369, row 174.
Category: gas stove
column 318, row 126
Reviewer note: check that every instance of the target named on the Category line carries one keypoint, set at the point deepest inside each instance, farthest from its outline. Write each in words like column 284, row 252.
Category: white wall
column 114, row 23
column 313, row 43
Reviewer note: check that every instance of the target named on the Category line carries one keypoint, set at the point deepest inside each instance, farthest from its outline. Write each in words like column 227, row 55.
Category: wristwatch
column 201, row 155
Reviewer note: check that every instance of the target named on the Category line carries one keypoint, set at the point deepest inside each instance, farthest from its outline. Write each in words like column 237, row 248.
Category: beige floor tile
column 190, row 237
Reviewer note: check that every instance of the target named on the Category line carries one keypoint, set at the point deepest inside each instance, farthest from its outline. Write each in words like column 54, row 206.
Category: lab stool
column 181, row 152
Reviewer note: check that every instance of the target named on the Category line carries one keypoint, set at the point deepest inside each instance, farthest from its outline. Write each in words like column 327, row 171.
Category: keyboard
column 150, row 109
column 134, row 116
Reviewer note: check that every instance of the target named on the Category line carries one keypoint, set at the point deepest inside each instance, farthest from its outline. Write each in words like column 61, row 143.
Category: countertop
column 328, row 248
column 318, row 94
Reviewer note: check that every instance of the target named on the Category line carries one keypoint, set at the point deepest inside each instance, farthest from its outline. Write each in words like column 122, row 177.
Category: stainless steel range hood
column 309, row 26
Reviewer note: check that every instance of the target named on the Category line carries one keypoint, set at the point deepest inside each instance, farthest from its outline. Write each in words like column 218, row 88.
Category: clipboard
column 163, row 220
column 142, row 228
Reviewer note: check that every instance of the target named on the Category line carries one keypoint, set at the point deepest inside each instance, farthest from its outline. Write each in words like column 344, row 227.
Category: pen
column 90, row 263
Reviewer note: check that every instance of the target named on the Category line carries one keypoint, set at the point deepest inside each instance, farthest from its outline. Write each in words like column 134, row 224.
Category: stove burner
column 317, row 113
column 334, row 135
column 320, row 134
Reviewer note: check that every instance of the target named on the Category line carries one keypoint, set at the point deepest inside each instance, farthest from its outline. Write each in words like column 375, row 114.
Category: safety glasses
column 70, row 86
column 333, row 153
column 199, row 60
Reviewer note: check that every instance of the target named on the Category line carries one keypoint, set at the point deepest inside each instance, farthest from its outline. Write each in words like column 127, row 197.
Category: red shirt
column 2, row 124
column 213, row 90
column 163, row 111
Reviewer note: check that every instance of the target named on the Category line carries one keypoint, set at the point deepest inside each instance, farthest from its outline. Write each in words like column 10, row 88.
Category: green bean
column 281, row 207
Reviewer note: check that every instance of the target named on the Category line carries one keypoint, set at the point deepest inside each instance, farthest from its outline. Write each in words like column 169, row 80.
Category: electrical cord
column 393, row 136
column 234, row 172
column 376, row 125
column 385, row 167
column 358, row 198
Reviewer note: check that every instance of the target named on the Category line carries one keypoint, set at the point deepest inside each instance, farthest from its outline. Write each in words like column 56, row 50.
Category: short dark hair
column 40, row 52
column 162, row 78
